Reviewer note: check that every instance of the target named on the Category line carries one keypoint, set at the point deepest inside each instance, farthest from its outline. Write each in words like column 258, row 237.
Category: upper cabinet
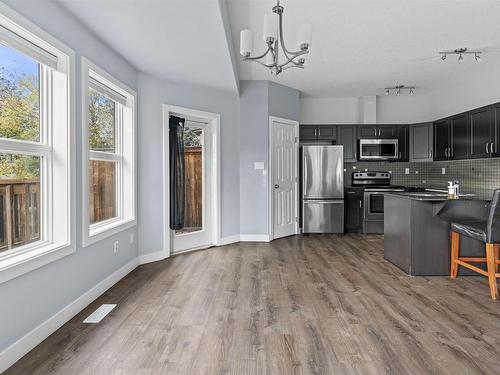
column 403, row 135
column 442, row 139
column 376, row 131
column 484, row 131
column 421, row 142
column 347, row 138
column 459, row 137
column 318, row 132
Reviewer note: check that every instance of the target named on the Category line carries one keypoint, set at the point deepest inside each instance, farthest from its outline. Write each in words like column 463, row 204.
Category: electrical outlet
column 131, row 238
column 116, row 247
column 416, row 172
column 407, row 170
column 443, row 170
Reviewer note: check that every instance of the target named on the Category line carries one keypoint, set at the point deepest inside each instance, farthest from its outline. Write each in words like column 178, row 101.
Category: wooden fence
column 20, row 212
column 102, row 191
column 193, row 209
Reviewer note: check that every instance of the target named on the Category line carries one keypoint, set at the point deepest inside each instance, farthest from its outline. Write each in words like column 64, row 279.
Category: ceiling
column 361, row 46
column 179, row 40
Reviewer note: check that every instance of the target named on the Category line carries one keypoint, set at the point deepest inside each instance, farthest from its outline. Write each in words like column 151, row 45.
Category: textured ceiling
column 361, row 46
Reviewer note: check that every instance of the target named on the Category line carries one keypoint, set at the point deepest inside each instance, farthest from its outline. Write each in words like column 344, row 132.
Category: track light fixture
column 461, row 52
column 397, row 89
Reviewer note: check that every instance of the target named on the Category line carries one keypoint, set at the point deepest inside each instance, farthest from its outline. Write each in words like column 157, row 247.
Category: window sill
column 17, row 265
column 104, row 230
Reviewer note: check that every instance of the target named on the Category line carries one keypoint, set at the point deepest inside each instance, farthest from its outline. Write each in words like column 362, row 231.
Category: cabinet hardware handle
column 375, row 131
column 491, row 148
column 319, row 132
column 487, row 144
column 446, row 152
column 360, row 203
column 399, row 154
column 276, row 186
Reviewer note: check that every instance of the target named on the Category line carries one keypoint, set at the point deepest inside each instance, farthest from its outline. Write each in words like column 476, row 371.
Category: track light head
column 478, row 57
column 398, row 92
column 443, row 56
column 411, row 91
column 387, row 92
column 460, row 59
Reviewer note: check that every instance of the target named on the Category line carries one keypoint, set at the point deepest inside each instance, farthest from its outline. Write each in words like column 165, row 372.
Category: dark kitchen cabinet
column 421, row 142
column 307, row 132
column 347, row 138
column 327, row 132
column 459, row 137
column 353, row 210
column 318, row 132
column 495, row 131
column 482, row 132
column 442, row 139
column 376, row 131
column 403, row 135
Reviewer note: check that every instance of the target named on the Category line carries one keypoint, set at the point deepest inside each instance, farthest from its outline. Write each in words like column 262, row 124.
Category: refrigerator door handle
column 304, row 177
column 338, row 201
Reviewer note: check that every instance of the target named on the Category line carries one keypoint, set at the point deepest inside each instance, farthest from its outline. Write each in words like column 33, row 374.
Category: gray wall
column 32, row 298
column 153, row 93
column 258, row 101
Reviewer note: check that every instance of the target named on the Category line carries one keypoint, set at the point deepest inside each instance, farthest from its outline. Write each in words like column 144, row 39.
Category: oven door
column 378, row 149
column 374, row 205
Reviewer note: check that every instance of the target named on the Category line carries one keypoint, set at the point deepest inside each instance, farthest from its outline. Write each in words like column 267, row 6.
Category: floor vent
column 100, row 313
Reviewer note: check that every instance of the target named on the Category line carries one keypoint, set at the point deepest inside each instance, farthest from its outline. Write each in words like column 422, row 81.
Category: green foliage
column 19, row 119
column 101, row 122
column 192, row 137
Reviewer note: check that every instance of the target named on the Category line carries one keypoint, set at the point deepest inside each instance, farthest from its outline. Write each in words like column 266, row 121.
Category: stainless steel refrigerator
column 322, row 189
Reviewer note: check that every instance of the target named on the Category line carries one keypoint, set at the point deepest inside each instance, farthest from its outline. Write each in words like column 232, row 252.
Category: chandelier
column 461, row 52
column 273, row 36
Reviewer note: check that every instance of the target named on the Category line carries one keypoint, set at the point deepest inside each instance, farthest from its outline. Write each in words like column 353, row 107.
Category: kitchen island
column 417, row 230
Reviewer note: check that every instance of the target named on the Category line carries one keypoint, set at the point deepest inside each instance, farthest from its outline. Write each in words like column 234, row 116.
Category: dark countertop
column 431, row 196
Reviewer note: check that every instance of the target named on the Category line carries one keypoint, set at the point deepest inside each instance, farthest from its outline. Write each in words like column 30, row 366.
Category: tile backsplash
column 479, row 176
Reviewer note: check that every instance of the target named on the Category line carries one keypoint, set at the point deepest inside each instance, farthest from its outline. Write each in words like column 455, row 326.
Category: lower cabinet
column 353, row 215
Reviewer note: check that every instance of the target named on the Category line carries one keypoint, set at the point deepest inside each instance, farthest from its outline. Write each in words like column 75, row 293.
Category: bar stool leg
column 455, row 241
column 495, row 254
column 490, row 261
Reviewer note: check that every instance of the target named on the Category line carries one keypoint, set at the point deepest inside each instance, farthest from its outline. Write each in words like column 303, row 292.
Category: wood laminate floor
column 299, row 305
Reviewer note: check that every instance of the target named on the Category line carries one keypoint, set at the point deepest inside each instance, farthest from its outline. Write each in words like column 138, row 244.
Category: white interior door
column 284, row 177
column 197, row 231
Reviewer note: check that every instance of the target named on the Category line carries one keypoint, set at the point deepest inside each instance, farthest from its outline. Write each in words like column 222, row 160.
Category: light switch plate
column 407, row 170
column 258, row 165
column 443, row 170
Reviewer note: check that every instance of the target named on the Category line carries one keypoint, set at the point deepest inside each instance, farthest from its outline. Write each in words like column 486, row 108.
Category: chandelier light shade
column 461, row 52
column 273, row 37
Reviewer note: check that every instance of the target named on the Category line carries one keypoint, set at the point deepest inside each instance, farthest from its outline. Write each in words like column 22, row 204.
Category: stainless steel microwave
column 378, row 149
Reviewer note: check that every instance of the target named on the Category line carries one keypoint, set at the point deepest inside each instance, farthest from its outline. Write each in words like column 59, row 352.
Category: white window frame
column 57, row 171
column 124, row 156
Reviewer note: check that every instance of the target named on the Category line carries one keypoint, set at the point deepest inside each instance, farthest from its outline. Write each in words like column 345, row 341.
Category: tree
column 101, row 122
column 19, row 119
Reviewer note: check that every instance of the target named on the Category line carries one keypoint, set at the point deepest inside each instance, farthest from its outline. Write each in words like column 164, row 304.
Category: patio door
column 196, row 232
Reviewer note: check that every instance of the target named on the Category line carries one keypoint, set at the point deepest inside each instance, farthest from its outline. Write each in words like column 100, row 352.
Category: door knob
column 276, row 186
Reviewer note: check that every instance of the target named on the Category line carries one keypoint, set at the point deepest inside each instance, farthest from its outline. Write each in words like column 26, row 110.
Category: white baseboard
column 255, row 238
column 229, row 240
column 26, row 343
column 152, row 257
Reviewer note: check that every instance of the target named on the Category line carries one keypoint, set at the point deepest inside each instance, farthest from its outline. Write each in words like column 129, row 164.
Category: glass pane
column 101, row 122
column 19, row 96
column 102, row 190
column 376, row 203
column 193, row 177
column 19, row 200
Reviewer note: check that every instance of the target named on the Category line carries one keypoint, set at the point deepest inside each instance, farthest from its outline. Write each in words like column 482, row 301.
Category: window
column 35, row 156
column 109, row 146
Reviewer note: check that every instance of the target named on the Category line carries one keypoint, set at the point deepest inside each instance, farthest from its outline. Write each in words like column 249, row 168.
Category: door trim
column 270, row 200
column 213, row 120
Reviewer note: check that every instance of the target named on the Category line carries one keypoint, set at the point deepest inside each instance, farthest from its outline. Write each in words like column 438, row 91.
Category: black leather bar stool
column 485, row 231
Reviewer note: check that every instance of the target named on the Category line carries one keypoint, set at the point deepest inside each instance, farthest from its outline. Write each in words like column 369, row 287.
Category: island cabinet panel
column 347, row 138
column 459, row 137
column 442, row 139
column 421, row 142
column 482, row 132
